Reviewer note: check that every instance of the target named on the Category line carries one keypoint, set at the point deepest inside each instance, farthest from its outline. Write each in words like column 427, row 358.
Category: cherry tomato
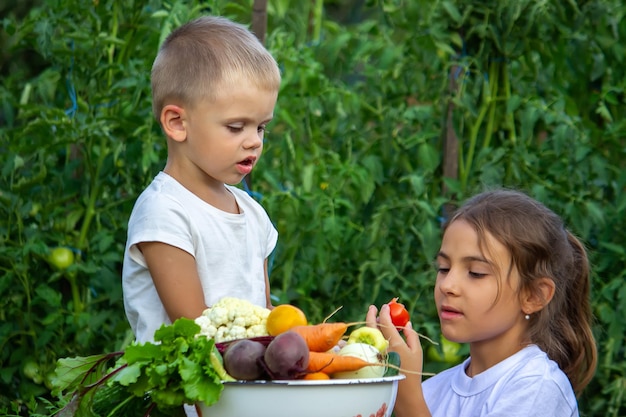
column 399, row 314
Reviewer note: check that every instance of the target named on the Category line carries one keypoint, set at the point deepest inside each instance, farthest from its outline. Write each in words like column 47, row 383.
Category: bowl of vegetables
column 306, row 398
column 281, row 376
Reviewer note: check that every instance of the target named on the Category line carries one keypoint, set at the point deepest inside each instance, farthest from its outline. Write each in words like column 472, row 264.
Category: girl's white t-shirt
column 230, row 249
column 527, row 384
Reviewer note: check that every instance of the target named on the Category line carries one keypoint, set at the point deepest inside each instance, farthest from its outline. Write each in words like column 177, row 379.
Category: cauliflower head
column 233, row 318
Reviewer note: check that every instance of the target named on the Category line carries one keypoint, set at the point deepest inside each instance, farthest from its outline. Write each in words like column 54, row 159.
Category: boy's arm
column 268, row 298
column 176, row 279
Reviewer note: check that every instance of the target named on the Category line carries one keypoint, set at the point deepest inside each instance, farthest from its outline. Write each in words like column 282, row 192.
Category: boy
column 192, row 237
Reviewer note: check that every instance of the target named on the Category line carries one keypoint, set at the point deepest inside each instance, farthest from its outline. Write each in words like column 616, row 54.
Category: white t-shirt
column 230, row 249
column 527, row 384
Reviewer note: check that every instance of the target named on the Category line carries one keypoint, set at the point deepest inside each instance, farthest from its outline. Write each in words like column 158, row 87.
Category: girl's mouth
column 449, row 313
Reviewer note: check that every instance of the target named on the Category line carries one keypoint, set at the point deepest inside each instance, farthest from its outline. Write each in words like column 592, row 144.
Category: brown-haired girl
column 512, row 282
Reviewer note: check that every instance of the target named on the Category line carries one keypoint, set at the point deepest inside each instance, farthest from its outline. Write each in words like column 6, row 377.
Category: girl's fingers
column 370, row 318
column 412, row 338
column 388, row 328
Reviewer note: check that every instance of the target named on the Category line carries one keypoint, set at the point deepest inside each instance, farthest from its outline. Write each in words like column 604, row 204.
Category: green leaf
column 205, row 387
column 143, row 353
column 428, row 157
column 70, row 373
column 129, row 375
column 453, row 11
column 183, row 327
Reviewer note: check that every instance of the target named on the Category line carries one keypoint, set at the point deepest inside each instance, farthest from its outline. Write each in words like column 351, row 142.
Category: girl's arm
column 176, row 279
column 410, row 401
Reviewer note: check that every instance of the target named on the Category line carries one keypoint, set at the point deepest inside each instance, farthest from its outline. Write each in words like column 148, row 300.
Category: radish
column 366, row 352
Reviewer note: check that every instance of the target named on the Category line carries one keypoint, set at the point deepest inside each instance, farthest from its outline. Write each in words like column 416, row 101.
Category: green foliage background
column 352, row 173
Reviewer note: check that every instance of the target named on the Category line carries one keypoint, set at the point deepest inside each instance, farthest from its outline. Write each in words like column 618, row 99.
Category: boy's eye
column 235, row 129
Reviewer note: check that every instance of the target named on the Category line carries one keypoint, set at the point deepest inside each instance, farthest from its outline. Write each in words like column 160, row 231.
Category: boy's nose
column 253, row 140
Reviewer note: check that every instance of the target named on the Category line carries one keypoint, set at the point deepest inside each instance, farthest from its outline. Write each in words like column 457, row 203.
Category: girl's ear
column 539, row 296
column 173, row 122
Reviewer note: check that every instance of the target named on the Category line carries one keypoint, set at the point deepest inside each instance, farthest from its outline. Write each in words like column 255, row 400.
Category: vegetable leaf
column 177, row 369
column 185, row 328
column 71, row 373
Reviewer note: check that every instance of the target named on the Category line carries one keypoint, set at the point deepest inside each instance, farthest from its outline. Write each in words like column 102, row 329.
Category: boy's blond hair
column 204, row 55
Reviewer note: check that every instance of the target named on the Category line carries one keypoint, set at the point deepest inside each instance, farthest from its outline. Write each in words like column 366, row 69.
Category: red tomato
column 399, row 314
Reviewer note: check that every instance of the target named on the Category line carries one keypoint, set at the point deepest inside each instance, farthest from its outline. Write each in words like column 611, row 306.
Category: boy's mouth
column 248, row 161
column 245, row 165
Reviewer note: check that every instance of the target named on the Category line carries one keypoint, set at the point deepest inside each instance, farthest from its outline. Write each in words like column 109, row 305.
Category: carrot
column 316, row 376
column 322, row 336
column 331, row 363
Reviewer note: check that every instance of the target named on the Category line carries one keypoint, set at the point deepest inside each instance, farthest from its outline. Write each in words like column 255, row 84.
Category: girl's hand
column 410, row 400
column 410, row 351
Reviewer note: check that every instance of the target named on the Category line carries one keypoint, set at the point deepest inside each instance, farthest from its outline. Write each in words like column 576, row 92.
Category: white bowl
column 311, row 398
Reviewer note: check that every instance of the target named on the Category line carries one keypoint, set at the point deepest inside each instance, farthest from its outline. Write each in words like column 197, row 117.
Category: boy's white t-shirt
column 230, row 249
column 527, row 384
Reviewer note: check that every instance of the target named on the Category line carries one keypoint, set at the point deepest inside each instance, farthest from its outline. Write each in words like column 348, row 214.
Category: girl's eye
column 262, row 129
column 477, row 274
column 442, row 270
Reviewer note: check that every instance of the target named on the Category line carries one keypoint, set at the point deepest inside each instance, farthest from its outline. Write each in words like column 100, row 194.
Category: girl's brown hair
column 206, row 55
column 541, row 246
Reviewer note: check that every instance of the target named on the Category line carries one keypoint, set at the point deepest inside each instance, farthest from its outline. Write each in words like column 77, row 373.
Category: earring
column 527, row 317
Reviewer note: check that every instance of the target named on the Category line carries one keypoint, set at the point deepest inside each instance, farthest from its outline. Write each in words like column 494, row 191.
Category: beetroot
column 287, row 356
column 222, row 346
column 242, row 360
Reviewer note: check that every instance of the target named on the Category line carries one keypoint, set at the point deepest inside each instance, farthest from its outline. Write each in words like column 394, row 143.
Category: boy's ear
column 538, row 298
column 173, row 122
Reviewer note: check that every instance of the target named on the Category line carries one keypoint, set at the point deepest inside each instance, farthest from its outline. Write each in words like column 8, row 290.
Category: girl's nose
column 448, row 283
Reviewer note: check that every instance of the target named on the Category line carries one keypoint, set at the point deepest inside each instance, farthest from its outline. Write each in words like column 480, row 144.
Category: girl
column 514, row 284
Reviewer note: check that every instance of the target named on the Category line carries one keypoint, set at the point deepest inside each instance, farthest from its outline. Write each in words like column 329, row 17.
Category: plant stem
column 95, row 188
column 78, row 303
column 487, row 99
column 510, row 121
column 318, row 12
column 492, row 111
column 111, row 51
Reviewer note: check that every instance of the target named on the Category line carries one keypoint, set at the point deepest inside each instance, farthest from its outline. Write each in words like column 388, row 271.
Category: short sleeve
column 158, row 218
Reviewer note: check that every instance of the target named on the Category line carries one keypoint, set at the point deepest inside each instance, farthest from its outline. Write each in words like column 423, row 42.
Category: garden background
column 390, row 113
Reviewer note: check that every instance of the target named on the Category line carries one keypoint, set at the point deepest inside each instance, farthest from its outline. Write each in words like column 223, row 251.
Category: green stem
column 5, row 341
column 111, row 51
column 78, row 303
column 318, row 12
column 492, row 114
column 114, row 411
column 475, row 129
column 90, row 211
column 460, row 91
column 510, row 121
